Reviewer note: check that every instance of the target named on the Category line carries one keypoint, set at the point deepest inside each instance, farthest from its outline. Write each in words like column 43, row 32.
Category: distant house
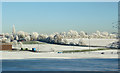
column 1, row 36
column 5, row 46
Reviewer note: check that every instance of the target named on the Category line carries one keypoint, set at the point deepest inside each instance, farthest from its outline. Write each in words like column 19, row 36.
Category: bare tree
column 21, row 34
column 34, row 35
column 11, row 37
column 81, row 42
column 27, row 38
column 20, row 43
column 4, row 40
column 82, row 34
column 14, row 43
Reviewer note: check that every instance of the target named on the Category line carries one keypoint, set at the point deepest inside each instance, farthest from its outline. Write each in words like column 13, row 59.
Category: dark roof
column 1, row 35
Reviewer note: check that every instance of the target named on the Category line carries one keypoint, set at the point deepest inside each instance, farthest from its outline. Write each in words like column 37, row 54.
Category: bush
column 26, row 49
column 21, row 48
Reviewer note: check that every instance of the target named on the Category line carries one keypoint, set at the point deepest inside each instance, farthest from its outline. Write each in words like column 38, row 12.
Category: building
column 1, row 36
column 5, row 46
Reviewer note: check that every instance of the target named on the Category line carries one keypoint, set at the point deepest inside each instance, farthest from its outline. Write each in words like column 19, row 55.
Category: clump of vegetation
column 24, row 49
column 55, row 38
column 69, row 51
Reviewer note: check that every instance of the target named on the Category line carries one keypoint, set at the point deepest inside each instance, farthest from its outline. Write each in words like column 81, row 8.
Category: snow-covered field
column 93, row 41
column 50, row 47
column 29, row 55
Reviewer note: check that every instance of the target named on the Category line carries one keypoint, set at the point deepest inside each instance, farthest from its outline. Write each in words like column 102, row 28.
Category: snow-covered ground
column 31, row 55
column 50, row 47
column 94, row 41
column 50, row 54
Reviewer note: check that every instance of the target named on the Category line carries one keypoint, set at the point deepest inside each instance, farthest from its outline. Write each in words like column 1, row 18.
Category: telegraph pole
column 89, row 42
column 119, row 25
